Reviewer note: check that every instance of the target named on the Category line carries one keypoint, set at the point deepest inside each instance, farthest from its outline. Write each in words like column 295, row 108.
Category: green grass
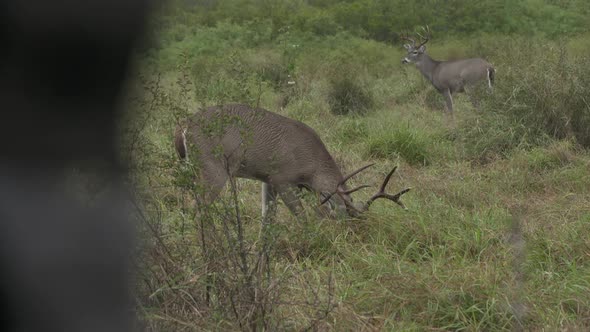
column 388, row 142
column 495, row 237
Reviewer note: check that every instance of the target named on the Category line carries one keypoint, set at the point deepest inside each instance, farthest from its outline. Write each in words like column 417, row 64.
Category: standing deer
column 448, row 77
column 284, row 154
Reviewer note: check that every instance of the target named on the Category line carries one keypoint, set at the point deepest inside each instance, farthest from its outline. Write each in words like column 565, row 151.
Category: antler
column 427, row 38
column 405, row 36
column 424, row 39
column 382, row 194
column 343, row 181
column 346, row 178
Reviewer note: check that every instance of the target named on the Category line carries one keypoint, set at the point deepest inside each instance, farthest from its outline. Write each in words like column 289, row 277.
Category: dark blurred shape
column 64, row 265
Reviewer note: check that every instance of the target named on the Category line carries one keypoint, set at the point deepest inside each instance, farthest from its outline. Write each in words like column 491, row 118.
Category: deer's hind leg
column 472, row 93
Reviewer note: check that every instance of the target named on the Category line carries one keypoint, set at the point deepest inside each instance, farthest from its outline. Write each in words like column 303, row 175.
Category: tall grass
column 540, row 95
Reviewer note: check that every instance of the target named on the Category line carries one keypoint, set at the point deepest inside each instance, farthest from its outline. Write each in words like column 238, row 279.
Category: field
column 496, row 235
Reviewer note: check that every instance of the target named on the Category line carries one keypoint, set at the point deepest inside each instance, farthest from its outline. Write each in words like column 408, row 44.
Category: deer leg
column 474, row 101
column 291, row 199
column 213, row 179
column 269, row 196
column 449, row 100
column 471, row 93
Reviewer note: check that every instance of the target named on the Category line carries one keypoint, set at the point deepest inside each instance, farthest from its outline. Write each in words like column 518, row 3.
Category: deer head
column 416, row 52
column 341, row 196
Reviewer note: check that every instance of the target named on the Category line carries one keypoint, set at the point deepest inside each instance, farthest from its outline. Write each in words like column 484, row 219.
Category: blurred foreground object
column 65, row 264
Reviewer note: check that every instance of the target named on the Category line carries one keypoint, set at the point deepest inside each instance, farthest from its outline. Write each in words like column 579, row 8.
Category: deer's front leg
column 289, row 196
column 449, row 100
column 269, row 197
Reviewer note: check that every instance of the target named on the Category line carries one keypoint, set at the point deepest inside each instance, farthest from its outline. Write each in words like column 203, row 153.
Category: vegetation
column 496, row 232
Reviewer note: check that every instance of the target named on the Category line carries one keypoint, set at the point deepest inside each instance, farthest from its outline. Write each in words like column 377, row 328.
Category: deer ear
column 422, row 49
column 407, row 46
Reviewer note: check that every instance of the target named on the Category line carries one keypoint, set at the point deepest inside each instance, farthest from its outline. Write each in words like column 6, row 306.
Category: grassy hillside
column 496, row 236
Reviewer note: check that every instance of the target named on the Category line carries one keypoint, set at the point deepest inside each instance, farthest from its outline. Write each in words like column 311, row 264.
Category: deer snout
column 357, row 209
column 405, row 60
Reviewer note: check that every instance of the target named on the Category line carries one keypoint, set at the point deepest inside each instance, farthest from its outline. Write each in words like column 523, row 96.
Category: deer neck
column 327, row 178
column 427, row 66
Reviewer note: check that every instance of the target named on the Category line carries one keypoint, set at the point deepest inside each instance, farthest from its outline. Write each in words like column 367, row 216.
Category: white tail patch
column 184, row 143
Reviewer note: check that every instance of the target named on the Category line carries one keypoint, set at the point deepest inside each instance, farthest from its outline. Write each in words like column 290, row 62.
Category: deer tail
column 491, row 76
column 180, row 141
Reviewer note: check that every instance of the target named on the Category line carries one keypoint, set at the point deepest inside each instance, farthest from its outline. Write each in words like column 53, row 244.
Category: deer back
column 257, row 144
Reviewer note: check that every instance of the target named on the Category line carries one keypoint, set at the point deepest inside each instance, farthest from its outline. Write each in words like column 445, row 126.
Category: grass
column 496, row 233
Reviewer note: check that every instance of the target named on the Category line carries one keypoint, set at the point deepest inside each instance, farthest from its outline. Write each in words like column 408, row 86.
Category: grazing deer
column 448, row 77
column 285, row 154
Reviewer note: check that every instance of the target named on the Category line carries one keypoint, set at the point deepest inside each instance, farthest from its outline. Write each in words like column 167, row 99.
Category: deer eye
column 415, row 52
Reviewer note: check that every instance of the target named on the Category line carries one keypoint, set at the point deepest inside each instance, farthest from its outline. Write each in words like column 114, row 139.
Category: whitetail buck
column 448, row 77
column 285, row 154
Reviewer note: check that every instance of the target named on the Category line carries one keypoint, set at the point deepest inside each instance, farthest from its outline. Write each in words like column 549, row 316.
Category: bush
column 348, row 96
column 347, row 92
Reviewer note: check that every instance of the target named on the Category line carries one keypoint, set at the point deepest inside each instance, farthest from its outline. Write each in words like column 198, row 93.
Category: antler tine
column 346, row 178
column 327, row 198
column 405, row 36
column 348, row 192
column 382, row 194
column 386, row 181
column 428, row 35
column 343, row 181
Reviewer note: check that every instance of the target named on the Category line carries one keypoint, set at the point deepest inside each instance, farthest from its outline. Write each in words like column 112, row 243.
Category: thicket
column 383, row 19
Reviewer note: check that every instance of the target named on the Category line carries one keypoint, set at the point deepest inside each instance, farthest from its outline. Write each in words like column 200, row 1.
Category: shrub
column 347, row 91
column 347, row 96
